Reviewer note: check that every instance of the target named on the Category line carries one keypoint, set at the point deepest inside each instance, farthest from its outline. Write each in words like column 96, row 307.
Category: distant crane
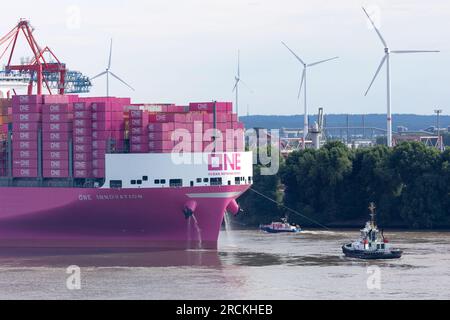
column 38, row 66
column 109, row 72
column 37, row 71
column 386, row 58
column 305, row 67
column 238, row 80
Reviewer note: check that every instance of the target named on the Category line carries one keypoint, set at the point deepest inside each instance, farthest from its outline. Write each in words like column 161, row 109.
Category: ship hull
column 113, row 218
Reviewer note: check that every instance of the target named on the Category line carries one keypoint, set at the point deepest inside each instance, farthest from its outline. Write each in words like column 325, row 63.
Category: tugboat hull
column 370, row 255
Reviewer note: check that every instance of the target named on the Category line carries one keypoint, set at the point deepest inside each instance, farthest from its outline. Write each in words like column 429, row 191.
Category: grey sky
column 185, row 50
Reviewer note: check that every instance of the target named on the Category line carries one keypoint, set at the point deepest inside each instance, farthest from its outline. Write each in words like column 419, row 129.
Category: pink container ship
column 105, row 173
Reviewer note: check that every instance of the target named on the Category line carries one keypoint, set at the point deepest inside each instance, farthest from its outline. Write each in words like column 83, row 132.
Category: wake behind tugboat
column 371, row 245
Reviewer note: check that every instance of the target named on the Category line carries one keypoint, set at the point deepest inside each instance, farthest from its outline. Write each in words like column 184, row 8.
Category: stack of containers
column 108, row 132
column 138, row 123
column 57, row 117
column 27, row 118
column 5, row 118
column 82, row 140
column 161, row 127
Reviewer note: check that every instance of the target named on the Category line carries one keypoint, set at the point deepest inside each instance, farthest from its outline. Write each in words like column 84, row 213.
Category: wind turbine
column 109, row 72
column 238, row 80
column 305, row 68
column 386, row 59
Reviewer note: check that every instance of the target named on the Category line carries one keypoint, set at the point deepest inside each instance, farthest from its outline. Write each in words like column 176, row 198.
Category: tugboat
column 280, row 227
column 371, row 244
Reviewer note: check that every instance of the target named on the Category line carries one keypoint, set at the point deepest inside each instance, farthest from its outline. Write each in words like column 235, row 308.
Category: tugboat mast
column 372, row 214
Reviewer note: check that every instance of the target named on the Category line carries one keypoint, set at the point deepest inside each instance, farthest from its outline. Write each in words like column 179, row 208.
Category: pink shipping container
column 81, row 106
column 55, row 136
column 108, row 116
column 98, row 164
column 82, row 165
column 98, row 173
column 232, row 117
column 82, row 114
column 209, row 106
column 82, row 131
column 26, row 126
column 138, row 130
column 57, row 117
column 143, row 122
column 56, row 164
column 109, row 107
column 24, row 145
column 161, row 145
column 55, row 99
column 99, row 144
column 25, row 173
column 137, row 114
column 139, row 148
column 161, row 126
column 19, row 99
column 82, row 140
column 177, row 109
column 25, row 163
column 59, row 127
column 142, row 139
column 103, row 135
column 82, row 123
column 55, row 155
column 82, row 173
column 82, row 156
column 108, row 125
column 26, row 108
column 191, row 117
column 55, row 173
column 57, row 108
column 55, row 146
column 167, row 117
column 82, row 148
column 27, row 117
column 98, row 154
column 160, row 135
column 25, row 154
column 186, row 126
column 26, row 136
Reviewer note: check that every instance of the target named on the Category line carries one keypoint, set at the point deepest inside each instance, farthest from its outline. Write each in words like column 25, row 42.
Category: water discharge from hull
column 198, row 230
column 226, row 219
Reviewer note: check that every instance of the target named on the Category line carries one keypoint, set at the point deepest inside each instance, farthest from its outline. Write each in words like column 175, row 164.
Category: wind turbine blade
column 235, row 86
column 376, row 29
column 122, row 81
column 110, row 55
column 301, row 83
column 99, row 75
column 321, row 61
column 376, row 74
column 413, row 51
column 250, row 89
column 298, row 58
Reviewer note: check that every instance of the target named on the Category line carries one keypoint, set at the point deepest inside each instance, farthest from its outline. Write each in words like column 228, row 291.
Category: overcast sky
column 186, row 50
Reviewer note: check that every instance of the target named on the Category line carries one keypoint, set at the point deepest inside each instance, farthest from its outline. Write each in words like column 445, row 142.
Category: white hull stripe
column 214, row 195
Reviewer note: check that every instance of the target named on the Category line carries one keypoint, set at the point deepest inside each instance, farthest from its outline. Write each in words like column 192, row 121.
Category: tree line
column 335, row 184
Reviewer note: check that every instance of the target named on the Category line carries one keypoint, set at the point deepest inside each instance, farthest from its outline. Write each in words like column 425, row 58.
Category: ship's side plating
column 147, row 200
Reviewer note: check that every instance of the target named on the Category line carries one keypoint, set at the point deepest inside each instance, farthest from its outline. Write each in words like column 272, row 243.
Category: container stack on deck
column 5, row 119
column 82, row 140
column 27, row 123
column 108, row 131
column 77, row 132
column 57, row 127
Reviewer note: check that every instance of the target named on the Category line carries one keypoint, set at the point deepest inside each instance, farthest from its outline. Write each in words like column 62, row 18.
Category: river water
column 249, row 264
